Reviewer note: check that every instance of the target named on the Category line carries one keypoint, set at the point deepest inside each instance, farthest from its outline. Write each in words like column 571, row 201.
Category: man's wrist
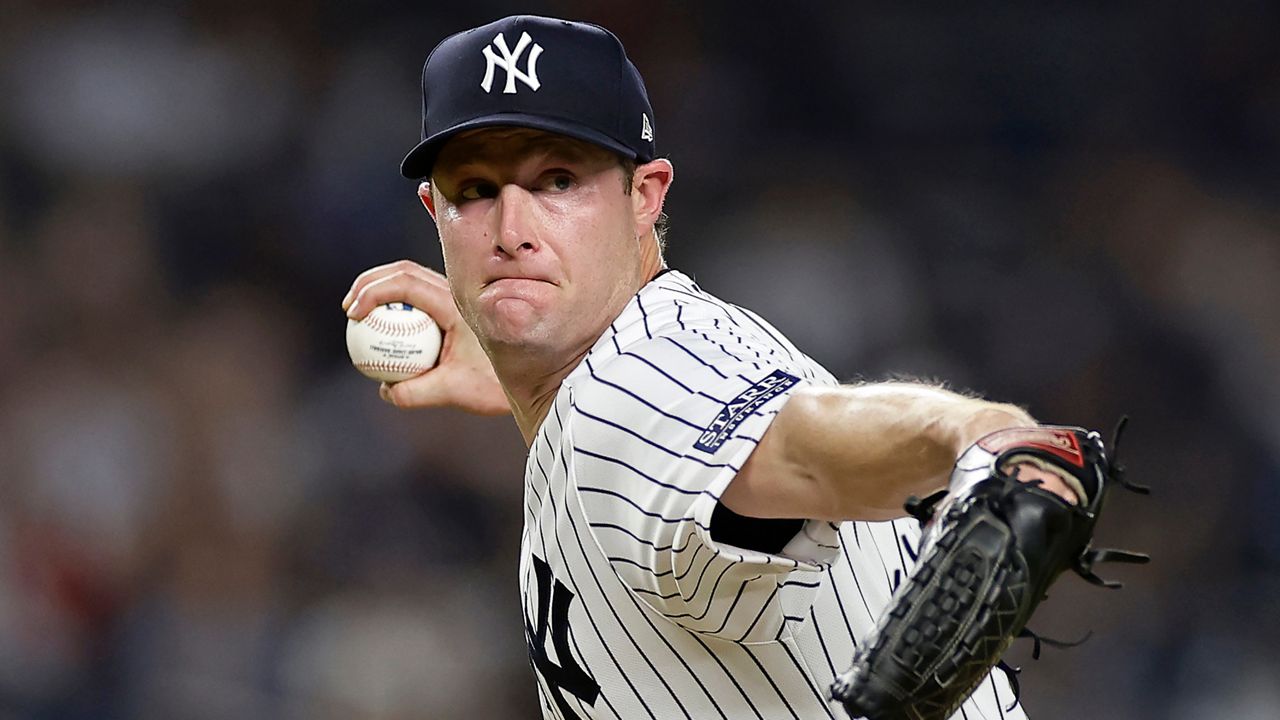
column 992, row 418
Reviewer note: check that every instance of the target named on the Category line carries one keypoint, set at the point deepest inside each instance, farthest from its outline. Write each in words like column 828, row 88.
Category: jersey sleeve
column 659, row 431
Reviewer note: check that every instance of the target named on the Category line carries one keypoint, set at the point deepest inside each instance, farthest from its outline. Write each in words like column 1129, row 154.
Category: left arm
column 858, row 452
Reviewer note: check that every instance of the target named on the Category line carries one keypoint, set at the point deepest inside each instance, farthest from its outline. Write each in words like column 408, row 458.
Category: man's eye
column 478, row 191
column 558, row 183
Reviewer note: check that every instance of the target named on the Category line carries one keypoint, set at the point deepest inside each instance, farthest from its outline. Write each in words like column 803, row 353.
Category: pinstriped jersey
column 632, row 609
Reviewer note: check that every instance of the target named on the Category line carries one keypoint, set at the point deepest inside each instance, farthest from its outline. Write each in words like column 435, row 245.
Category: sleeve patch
column 740, row 408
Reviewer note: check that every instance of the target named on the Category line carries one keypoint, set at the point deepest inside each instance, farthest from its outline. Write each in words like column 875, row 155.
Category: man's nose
column 517, row 233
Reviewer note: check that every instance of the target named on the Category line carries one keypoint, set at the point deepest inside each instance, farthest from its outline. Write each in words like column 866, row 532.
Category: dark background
column 206, row 513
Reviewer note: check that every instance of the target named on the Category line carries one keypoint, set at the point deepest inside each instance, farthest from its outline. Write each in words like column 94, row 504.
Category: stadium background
column 206, row 513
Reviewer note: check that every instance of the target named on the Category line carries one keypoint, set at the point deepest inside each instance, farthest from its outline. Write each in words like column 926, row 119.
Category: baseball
column 394, row 342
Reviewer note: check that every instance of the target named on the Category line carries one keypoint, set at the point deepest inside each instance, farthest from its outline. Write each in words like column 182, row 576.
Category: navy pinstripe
column 667, row 622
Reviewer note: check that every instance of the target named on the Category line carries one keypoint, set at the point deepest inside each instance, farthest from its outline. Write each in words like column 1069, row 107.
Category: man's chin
column 511, row 320
column 523, row 333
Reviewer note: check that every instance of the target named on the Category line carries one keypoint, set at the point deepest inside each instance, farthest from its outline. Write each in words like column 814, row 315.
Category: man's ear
column 649, row 191
column 429, row 202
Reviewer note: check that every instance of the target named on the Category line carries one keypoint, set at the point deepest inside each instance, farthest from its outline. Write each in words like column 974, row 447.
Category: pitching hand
column 463, row 377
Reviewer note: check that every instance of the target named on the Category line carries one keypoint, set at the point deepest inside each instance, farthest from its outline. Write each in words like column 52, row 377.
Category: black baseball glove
column 991, row 547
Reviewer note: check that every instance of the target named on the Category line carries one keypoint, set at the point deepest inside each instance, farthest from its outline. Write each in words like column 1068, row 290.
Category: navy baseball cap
column 564, row 77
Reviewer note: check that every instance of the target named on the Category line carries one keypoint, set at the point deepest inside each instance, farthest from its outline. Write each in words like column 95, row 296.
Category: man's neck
column 531, row 381
column 531, row 385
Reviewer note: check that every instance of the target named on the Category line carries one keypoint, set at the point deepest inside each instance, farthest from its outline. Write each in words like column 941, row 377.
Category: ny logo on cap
column 508, row 62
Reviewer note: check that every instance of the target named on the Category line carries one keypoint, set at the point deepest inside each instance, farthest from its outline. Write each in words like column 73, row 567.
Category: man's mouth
column 528, row 278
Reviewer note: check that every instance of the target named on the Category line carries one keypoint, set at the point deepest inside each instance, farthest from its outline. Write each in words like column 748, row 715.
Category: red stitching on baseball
column 393, row 367
column 399, row 329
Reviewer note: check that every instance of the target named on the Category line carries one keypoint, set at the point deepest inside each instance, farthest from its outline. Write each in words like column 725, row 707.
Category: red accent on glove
column 1060, row 443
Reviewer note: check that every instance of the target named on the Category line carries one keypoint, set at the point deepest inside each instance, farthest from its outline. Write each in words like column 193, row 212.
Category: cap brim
column 420, row 160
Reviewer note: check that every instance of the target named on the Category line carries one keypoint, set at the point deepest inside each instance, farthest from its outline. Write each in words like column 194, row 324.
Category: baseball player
column 713, row 525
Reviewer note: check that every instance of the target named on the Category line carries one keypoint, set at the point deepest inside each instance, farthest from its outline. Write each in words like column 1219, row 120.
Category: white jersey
column 632, row 610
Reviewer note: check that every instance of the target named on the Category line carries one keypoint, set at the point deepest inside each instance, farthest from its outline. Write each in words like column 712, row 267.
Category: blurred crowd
column 206, row 513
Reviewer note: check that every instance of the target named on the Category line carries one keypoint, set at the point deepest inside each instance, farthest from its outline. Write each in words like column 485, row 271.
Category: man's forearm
column 857, row 452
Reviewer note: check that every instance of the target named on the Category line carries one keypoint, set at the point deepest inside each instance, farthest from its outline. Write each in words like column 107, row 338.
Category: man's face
column 539, row 238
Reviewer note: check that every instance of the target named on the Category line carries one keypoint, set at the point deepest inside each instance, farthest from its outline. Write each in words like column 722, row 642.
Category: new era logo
column 507, row 61
column 646, row 130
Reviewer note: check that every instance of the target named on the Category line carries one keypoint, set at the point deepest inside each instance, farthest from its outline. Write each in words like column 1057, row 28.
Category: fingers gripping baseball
column 466, row 382
column 463, row 377
column 402, row 281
